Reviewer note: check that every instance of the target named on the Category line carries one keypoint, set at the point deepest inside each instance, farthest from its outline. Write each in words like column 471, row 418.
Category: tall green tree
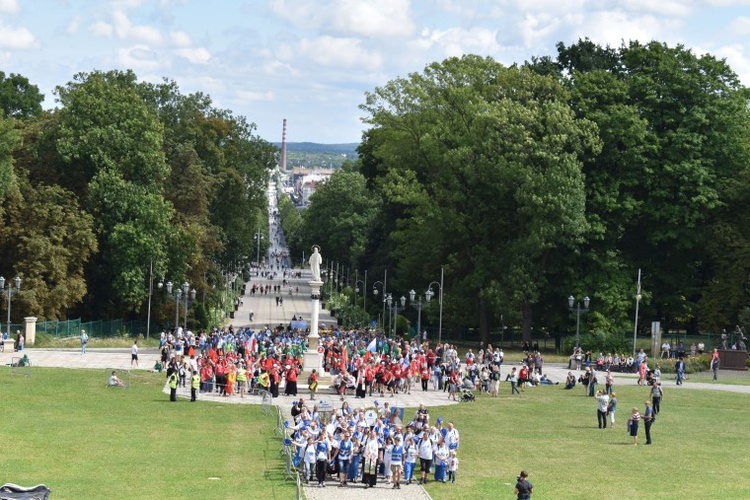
column 53, row 239
column 485, row 162
column 338, row 219
column 9, row 141
column 674, row 127
column 19, row 98
column 111, row 145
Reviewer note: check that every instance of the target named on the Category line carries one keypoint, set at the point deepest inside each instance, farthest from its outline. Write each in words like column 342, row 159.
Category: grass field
column 699, row 446
column 64, row 428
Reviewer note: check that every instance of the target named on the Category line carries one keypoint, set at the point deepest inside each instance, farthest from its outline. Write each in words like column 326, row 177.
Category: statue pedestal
column 732, row 359
column 312, row 357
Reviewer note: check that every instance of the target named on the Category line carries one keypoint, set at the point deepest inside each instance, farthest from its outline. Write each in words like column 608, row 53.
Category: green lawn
column 699, row 451
column 64, row 428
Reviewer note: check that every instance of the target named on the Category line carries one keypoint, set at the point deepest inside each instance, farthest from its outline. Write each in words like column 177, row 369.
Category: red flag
column 344, row 359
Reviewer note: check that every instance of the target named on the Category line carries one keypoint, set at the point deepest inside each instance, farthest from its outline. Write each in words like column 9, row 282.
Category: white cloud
column 373, row 19
column 138, row 57
column 180, row 39
column 73, row 25
column 102, row 29
column 145, row 34
column 16, row 38
column 278, row 68
column 672, row 8
column 385, row 18
column 196, row 55
column 740, row 26
column 9, row 7
column 250, row 96
column 611, row 28
column 728, row 3
column 458, row 41
column 738, row 58
column 121, row 26
column 338, row 52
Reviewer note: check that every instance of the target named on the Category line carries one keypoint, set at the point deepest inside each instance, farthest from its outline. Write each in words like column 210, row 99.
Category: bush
column 693, row 364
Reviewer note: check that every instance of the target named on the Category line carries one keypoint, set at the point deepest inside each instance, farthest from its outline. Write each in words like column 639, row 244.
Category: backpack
column 309, row 380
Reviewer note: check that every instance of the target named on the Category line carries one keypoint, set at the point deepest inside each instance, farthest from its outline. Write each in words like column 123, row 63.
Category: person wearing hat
column 524, row 488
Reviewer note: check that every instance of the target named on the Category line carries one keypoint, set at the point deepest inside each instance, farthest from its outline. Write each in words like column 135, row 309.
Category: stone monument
column 312, row 357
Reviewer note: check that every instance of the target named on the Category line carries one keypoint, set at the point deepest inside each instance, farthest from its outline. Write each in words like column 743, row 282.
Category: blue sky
column 311, row 61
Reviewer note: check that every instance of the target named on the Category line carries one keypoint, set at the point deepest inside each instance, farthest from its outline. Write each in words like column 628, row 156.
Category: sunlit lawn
column 64, row 428
column 552, row 433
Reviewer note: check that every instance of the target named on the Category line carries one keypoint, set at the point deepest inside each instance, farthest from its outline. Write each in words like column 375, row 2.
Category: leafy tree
column 674, row 127
column 485, row 162
column 53, row 239
column 9, row 141
column 340, row 214
column 18, row 97
column 111, row 145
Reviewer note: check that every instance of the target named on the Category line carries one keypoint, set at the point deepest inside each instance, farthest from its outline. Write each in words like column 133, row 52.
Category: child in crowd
column 452, row 466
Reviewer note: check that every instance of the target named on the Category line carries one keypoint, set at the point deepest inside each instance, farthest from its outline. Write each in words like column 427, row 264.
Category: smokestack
column 283, row 148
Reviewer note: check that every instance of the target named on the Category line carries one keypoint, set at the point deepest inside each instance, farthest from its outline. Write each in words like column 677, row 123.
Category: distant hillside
column 350, row 150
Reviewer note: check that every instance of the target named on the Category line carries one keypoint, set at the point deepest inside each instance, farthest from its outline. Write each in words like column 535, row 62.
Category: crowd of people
column 350, row 445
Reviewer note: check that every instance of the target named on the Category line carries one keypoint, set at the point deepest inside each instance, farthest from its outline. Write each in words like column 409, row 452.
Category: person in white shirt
column 451, row 437
column 425, row 451
column 665, row 350
column 308, row 457
column 452, row 467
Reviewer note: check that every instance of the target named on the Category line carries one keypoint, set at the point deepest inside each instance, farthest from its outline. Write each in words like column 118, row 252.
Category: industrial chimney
column 283, row 148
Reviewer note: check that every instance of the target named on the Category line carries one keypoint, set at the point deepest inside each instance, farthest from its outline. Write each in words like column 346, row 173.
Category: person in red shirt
column 291, row 381
column 425, row 376
column 369, row 377
column 523, row 377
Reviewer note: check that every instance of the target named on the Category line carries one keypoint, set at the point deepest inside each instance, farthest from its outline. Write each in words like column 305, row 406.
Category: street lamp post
column 428, row 294
column 402, row 300
column 638, row 298
column 375, row 293
column 187, row 293
column 576, row 306
column 258, row 237
column 418, row 306
column 13, row 288
column 388, row 300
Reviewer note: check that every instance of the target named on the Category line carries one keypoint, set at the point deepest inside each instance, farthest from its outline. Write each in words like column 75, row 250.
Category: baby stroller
column 467, row 396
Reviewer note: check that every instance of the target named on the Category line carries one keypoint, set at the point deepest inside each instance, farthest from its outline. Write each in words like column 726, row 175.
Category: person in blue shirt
column 344, row 455
column 322, row 456
column 397, row 460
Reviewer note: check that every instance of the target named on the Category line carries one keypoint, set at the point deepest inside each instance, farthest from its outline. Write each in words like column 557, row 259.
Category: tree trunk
column 527, row 319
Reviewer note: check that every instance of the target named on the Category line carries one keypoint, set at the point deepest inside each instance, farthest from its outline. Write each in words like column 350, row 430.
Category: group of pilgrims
column 365, row 445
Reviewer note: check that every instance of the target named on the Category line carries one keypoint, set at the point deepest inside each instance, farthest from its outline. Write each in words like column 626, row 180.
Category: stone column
column 312, row 358
column 29, row 331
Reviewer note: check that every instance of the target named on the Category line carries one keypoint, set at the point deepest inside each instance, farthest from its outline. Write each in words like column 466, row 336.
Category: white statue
column 315, row 261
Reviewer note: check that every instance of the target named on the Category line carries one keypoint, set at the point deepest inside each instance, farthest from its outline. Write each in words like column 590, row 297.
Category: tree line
column 122, row 183
column 557, row 177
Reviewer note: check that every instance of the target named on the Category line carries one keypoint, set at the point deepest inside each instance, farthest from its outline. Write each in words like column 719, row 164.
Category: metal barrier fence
column 101, row 328
column 286, row 451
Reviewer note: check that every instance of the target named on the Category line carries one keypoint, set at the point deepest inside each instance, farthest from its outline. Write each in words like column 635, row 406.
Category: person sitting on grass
column 114, row 380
